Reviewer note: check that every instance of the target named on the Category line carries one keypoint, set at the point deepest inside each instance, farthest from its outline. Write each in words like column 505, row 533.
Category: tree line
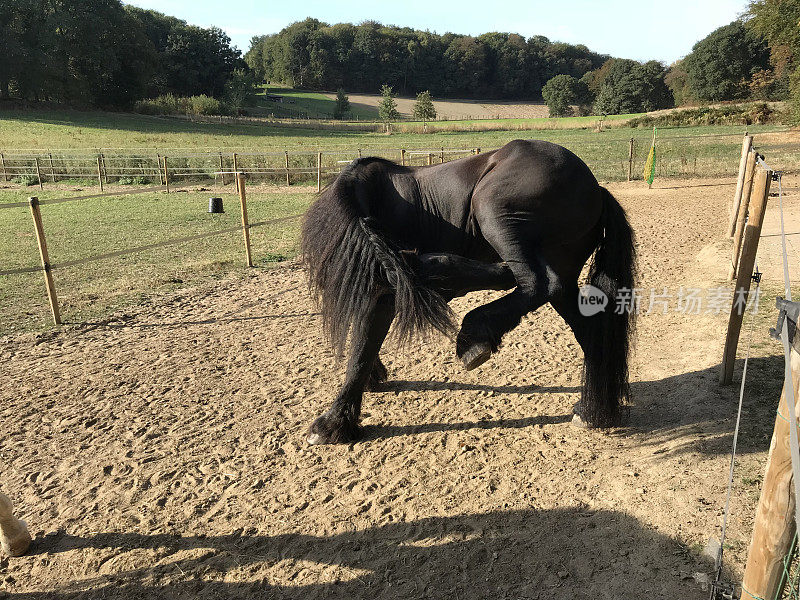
column 106, row 54
column 362, row 58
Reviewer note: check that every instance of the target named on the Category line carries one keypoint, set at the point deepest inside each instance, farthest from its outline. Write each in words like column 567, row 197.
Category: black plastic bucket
column 215, row 205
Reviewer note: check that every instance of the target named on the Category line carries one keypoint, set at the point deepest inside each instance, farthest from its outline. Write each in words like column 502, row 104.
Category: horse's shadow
column 667, row 410
column 558, row 553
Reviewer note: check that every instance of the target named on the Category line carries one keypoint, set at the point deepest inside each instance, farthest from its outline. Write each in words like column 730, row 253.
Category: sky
column 641, row 30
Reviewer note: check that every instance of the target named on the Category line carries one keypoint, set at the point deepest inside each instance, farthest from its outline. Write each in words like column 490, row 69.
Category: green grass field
column 85, row 228
column 89, row 227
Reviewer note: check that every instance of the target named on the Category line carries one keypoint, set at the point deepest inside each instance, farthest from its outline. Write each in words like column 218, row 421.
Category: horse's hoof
column 578, row 422
column 332, row 430
column 476, row 355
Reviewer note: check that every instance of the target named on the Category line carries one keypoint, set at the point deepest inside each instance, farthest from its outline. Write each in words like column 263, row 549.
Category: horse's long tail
column 613, row 270
column 351, row 261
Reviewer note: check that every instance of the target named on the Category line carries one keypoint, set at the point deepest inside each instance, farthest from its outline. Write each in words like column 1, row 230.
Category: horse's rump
column 351, row 261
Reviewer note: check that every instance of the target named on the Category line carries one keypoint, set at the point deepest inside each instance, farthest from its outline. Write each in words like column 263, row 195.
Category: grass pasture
column 85, row 228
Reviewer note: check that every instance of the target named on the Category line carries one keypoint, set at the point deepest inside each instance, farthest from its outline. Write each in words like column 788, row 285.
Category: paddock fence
column 611, row 160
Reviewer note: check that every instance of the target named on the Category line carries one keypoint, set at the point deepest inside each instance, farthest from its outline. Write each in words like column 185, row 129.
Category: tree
column 240, row 88
column 424, row 109
column 561, row 92
column 342, row 104
column 721, row 65
column 776, row 21
column 631, row 87
column 387, row 109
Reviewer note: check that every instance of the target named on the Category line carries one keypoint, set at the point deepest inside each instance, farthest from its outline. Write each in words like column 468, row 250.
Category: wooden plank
column 166, row 175
column 319, row 171
column 630, row 159
column 747, row 262
column 38, row 173
column 747, row 143
column 245, row 224
column 774, row 525
column 52, row 169
column 286, row 156
column 744, row 205
column 236, row 171
column 100, row 173
column 3, row 163
column 36, row 214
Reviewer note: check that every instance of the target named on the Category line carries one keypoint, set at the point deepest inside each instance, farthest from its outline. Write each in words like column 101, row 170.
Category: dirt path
column 162, row 454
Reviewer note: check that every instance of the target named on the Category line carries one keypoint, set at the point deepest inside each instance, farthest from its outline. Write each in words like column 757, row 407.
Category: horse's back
column 539, row 189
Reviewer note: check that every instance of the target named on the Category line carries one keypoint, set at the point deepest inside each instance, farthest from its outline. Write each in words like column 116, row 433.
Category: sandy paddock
column 161, row 454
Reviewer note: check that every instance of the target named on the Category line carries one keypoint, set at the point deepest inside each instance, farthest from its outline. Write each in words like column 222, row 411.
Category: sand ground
column 162, row 453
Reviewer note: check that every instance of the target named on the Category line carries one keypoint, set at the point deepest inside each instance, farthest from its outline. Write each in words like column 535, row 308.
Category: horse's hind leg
column 339, row 424
column 377, row 376
column 484, row 327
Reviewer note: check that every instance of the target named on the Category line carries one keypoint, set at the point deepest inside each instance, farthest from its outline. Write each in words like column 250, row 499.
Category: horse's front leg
column 339, row 424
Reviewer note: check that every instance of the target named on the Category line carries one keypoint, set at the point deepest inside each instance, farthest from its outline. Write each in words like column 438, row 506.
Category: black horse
column 386, row 243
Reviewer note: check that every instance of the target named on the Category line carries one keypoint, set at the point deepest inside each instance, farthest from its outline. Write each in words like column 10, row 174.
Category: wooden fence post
column 103, row 162
column 52, row 170
column 747, row 143
column 403, row 157
column 744, row 277
column 3, row 162
column 38, row 172
column 359, row 153
column 430, row 158
column 245, row 222
column 477, row 150
column 319, row 171
column 236, row 171
column 630, row 159
column 166, row 175
column 744, row 204
column 286, row 156
column 441, row 155
column 99, row 173
column 48, row 275
column 221, row 168
column 774, row 525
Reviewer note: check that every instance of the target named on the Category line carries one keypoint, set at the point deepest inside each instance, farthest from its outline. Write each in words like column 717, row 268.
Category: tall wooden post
column 3, row 163
column 319, row 171
column 286, row 156
column 477, row 150
column 747, row 143
column 441, row 155
column 630, row 159
column 359, row 153
column 403, row 156
column 38, row 172
column 48, row 275
column 752, row 234
column 245, row 222
column 158, row 170
column 52, row 169
column 166, row 175
column 774, row 525
column 236, row 171
column 430, row 158
column 736, row 249
column 103, row 162
column 99, row 173
column 221, row 168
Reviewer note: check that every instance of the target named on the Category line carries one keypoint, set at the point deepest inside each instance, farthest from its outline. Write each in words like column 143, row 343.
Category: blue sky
column 646, row 29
